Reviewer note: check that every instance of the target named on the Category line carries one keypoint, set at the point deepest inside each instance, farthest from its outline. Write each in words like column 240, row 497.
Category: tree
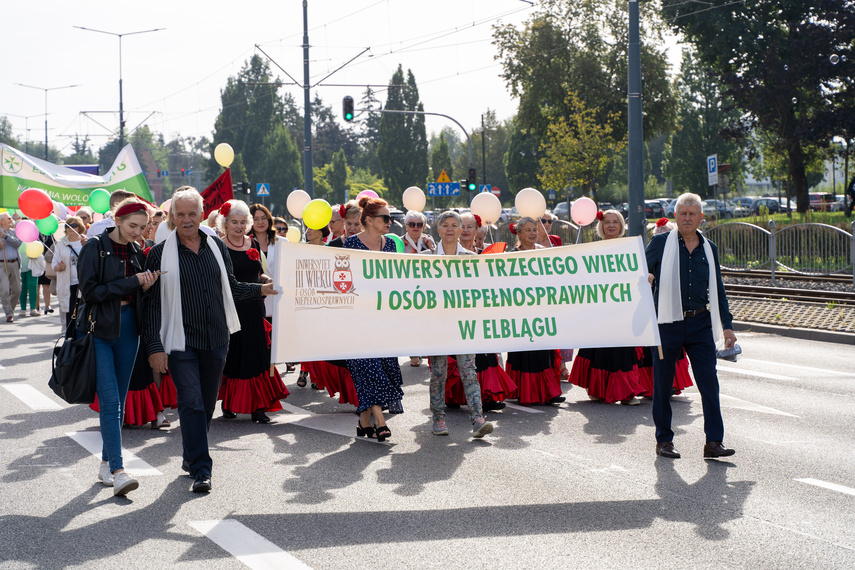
column 403, row 140
column 337, row 176
column 522, row 159
column 440, row 159
column 82, row 152
column 581, row 46
column 704, row 111
column 329, row 136
column 368, row 135
column 578, row 150
column 775, row 59
column 280, row 164
column 6, row 133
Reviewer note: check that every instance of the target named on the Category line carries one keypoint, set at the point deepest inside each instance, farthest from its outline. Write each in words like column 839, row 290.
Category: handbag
column 73, row 368
column 74, row 373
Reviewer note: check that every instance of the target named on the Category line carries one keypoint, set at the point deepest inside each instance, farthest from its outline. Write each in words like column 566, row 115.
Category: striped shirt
column 202, row 310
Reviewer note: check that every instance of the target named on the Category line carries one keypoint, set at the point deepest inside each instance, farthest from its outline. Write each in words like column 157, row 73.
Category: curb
column 796, row 332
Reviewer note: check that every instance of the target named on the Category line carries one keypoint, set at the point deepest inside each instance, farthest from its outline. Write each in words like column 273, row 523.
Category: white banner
column 346, row 303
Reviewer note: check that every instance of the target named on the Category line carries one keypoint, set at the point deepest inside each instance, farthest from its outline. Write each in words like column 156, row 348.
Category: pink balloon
column 583, row 211
column 27, row 231
column 366, row 194
column 96, row 217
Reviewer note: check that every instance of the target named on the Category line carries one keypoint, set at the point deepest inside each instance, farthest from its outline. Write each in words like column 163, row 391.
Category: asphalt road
column 570, row 486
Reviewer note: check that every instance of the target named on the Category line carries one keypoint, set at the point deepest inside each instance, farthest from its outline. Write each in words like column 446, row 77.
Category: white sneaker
column 123, row 484
column 35, row 313
column 104, row 474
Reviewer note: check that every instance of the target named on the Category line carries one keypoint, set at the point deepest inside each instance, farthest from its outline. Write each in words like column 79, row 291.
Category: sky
column 172, row 78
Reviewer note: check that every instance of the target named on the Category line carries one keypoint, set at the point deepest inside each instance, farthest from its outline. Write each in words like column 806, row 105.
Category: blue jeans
column 114, row 360
column 695, row 335
column 197, row 374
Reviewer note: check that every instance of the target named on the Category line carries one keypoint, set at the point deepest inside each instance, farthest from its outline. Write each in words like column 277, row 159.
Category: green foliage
column 329, row 137
column 7, row 135
column 703, row 112
column 440, row 160
column 579, row 148
column 521, row 160
column 403, row 140
column 498, row 138
column 775, row 60
column 368, row 135
column 82, row 152
column 362, row 179
column 280, row 164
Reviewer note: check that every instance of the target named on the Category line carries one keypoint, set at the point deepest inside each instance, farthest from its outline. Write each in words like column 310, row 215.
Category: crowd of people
column 183, row 323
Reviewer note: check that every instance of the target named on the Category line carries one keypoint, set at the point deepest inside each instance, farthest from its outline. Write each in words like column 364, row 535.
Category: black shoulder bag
column 74, row 374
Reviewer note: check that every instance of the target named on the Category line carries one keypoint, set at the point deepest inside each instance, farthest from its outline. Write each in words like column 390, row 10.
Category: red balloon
column 35, row 204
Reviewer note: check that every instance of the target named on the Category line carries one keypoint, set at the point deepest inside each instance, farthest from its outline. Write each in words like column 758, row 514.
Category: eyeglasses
column 542, row 221
column 416, row 224
column 281, row 229
column 387, row 219
column 75, row 226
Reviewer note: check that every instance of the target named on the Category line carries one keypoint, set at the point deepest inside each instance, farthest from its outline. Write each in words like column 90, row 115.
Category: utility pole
column 483, row 151
column 635, row 148
column 308, row 180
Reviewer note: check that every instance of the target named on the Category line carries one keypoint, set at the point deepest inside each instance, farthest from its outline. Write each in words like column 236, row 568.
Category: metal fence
column 805, row 249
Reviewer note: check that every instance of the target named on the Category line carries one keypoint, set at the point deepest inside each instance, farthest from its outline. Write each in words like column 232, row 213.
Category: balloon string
column 547, row 233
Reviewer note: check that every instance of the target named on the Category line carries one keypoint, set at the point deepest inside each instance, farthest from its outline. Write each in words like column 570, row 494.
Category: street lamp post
column 46, row 89
column 121, row 101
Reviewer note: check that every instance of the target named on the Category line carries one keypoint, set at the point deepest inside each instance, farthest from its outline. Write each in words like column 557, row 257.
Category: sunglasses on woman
column 73, row 226
column 542, row 221
column 416, row 224
column 387, row 219
column 281, row 229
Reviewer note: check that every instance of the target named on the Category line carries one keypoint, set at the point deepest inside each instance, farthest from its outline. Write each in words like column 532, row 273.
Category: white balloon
column 296, row 202
column 530, row 203
column 487, row 206
column 414, row 199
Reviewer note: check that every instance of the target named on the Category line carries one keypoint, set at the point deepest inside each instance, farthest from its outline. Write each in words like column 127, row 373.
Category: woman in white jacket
column 65, row 255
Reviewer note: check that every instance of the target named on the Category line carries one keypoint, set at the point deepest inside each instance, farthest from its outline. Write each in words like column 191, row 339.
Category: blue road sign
column 551, row 194
column 262, row 189
column 443, row 189
column 484, row 188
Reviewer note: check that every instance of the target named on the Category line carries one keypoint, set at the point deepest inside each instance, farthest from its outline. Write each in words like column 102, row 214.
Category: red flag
column 219, row 192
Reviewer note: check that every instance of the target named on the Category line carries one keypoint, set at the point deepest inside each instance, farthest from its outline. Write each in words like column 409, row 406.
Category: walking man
column 693, row 315
column 10, row 275
column 190, row 314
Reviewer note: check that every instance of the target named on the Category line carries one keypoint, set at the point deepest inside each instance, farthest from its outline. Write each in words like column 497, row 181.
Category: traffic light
column 347, row 108
column 246, row 187
column 158, row 173
column 471, row 181
column 182, row 172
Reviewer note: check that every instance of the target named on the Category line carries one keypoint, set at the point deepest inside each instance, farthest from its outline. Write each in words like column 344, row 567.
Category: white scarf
column 670, row 296
column 460, row 250
column 416, row 246
column 171, row 315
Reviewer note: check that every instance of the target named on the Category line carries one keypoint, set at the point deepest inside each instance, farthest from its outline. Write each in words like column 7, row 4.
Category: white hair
column 5, row 215
column 414, row 216
column 689, row 199
column 188, row 194
column 238, row 209
column 622, row 224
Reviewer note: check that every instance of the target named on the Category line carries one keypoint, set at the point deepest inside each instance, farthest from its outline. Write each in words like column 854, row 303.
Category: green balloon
column 399, row 243
column 99, row 200
column 48, row 226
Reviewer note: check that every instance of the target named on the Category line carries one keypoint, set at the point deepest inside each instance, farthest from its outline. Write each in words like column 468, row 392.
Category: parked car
column 513, row 215
column 739, row 210
column 722, row 208
column 744, row 201
column 561, row 211
column 653, row 209
column 670, row 207
column 770, row 204
column 623, row 208
column 839, row 205
column 821, row 201
column 505, row 216
column 603, row 206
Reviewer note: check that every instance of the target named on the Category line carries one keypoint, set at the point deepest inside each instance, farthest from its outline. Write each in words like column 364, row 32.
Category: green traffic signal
column 471, row 181
column 347, row 108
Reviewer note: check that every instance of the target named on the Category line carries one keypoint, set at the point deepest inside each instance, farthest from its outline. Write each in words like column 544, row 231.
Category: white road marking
column 91, row 442
column 809, row 368
column 826, row 485
column 32, row 397
column 247, row 546
column 527, row 409
column 731, row 402
column 754, row 373
column 292, row 409
column 338, row 424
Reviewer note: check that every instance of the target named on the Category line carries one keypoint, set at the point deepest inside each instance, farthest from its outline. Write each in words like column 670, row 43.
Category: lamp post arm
column 468, row 140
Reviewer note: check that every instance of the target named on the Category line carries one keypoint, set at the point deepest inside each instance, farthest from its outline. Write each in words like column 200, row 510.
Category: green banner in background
column 19, row 171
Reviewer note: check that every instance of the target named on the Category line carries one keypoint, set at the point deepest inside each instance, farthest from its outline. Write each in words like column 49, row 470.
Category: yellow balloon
column 35, row 249
column 293, row 235
column 224, row 155
column 317, row 214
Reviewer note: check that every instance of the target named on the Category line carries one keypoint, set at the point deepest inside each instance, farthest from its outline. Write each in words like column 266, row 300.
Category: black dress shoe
column 185, row 466
column 260, row 417
column 228, row 414
column 666, row 449
column 202, row 485
column 715, row 449
column 557, row 400
column 492, row 406
column 452, row 406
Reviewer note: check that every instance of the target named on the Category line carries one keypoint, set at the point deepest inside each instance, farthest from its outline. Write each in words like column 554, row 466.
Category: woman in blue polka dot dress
column 378, row 380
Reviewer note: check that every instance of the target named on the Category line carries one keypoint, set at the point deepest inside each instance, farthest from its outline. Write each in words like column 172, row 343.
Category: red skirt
column 610, row 374
column 336, row 379
column 246, row 395
column 495, row 383
column 682, row 378
column 141, row 406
